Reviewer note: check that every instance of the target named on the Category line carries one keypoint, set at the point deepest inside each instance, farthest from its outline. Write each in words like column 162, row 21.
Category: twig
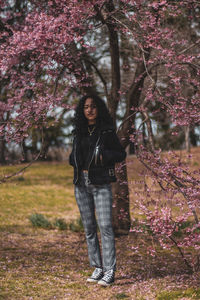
column 100, row 75
column 126, row 120
column 140, row 47
column 153, row 81
column 57, row 79
column 181, row 253
column 177, row 183
column 6, row 177
column 191, row 46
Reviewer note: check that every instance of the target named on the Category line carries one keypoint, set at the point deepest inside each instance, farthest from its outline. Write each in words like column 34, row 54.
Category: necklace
column 91, row 131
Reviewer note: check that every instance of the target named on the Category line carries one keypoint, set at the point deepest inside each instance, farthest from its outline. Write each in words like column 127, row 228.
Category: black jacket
column 107, row 147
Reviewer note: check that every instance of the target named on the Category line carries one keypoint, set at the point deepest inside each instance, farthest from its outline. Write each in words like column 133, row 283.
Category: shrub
column 76, row 225
column 38, row 220
column 61, row 224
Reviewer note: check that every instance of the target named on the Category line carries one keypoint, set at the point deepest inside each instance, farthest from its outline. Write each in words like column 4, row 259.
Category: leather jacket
column 102, row 157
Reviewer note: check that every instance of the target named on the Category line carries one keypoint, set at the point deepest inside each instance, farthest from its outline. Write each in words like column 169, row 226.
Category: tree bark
column 2, row 151
column 150, row 131
column 115, row 64
column 121, row 209
column 3, row 146
column 121, row 212
column 187, row 138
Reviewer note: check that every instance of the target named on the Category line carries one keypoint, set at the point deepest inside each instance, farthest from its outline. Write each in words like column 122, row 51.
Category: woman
column 96, row 149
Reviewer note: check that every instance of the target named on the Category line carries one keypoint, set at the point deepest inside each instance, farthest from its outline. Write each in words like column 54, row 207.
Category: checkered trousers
column 91, row 198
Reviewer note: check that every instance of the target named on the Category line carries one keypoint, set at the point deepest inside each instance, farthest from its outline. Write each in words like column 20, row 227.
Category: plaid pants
column 90, row 198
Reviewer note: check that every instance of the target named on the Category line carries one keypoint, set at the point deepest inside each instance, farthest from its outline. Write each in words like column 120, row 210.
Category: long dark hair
column 103, row 120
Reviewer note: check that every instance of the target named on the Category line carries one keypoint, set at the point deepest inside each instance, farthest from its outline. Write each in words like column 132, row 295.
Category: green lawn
column 43, row 188
column 38, row 263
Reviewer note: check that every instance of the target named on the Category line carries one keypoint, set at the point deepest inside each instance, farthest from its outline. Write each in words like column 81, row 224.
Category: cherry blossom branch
column 100, row 76
column 181, row 253
column 125, row 26
column 58, row 78
column 176, row 181
column 149, row 130
column 153, row 81
column 191, row 46
column 125, row 120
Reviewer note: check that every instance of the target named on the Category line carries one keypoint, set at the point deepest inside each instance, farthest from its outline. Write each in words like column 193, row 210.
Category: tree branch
column 22, row 170
column 182, row 254
column 191, row 46
column 100, row 76
column 115, row 57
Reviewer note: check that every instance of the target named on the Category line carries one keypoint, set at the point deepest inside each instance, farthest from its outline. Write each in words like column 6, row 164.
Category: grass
column 189, row 293
column 122, row 296
column 42, row 190
column 38, row 263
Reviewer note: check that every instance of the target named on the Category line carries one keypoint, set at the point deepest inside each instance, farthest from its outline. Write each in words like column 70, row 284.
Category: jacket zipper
column 90, row 160
column 93, row 155
column 96, row 154
column 75, row 162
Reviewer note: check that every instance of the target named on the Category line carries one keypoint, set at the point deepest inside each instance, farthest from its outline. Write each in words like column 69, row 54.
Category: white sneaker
column 96, row 275
column 108, row 278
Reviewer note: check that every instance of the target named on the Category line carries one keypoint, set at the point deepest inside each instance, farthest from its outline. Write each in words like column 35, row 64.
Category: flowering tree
column 142, row 56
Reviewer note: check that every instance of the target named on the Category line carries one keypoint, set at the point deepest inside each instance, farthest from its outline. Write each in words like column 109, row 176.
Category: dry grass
column 53, row 264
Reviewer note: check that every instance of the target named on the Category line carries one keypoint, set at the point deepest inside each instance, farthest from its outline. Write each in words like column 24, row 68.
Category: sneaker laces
column 97, row 272
column 109, row 275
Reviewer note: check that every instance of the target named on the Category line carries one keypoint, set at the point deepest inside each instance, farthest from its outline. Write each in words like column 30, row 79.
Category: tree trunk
column 25, row 151
column 121, row 213
column 187, row 138
column 2, row 151
column 121, row 210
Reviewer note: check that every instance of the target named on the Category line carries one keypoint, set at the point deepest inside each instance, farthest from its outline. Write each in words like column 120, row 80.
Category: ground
column 37, row 263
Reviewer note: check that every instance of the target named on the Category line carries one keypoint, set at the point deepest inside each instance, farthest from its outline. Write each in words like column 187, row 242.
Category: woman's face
column 90, row 111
